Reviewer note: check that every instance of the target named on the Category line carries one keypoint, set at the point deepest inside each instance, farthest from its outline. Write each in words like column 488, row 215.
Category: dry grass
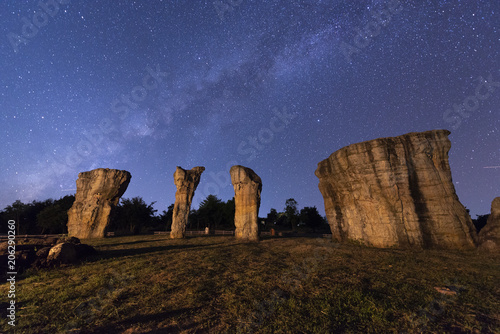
column 151, row 284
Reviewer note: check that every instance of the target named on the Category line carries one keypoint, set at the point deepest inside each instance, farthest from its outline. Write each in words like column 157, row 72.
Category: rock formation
column 37, row 253
column 395, row 191
column 186, row 182
column 62, row 253
column 247, row 188
column 489, row 236
column 97, row 194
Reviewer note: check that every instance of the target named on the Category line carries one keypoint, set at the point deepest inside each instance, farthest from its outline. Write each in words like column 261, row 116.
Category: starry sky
column 273, row 85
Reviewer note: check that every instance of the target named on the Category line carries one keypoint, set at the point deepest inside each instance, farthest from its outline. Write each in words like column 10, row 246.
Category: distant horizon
column 195, row 205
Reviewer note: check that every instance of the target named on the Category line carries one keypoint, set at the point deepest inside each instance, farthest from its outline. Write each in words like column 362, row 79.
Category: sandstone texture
column 97, row 194
column 397, row 192
column 247, row 188
column 186, row 182
column 489, row 236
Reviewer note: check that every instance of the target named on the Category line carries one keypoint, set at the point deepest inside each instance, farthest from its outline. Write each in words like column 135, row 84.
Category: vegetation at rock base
column 152, row 284
column 135, row 216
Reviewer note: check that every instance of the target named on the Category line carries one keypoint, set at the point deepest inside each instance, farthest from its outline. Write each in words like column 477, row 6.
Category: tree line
column 134, row 216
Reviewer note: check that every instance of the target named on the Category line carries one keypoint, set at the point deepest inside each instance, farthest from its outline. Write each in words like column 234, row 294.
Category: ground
column 210, row 284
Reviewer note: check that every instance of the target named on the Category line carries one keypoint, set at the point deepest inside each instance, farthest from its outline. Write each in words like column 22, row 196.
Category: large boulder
column 247, row 188
column 186, row 182
column 64, row 253
column 489, row 236
column 395, row 191
column 97, row 194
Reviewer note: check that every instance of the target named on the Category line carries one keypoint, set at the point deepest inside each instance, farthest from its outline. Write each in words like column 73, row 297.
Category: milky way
column 277, row 86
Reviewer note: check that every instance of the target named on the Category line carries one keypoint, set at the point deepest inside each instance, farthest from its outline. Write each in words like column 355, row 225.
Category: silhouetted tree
column 25, row 215
column 272, row 217
column 54, row 218
column 228, row 214
column 211, row 212
column 291, row 212
column 311, row 217
column 133, row 215
column 165, row 219
column 480, row 221
column 214, row 213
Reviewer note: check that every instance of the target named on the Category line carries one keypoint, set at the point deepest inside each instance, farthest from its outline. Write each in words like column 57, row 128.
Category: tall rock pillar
column 186, row 182
column 97, row 193
column 247, row 188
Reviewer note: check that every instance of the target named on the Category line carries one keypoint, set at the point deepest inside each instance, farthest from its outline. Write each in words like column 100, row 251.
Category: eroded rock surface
column 395, row 191
column 97, row 194
column 247, row 188
column 186, row 182
column 489, row 236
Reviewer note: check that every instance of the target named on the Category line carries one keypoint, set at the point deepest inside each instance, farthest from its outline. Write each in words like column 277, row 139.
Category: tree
column 480, row 221
column 25, row 215
column 54, row 218
column 291, row 212
column 211, row 212
column 165, row 219
column 311, row 217
column 133, row 215
column 272, row 217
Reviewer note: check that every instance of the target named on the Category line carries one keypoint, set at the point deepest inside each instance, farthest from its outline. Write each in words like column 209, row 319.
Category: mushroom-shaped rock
column 247, row 188
column 97, row 194
column 489, row 236
column 186, row 182
column 395, row 191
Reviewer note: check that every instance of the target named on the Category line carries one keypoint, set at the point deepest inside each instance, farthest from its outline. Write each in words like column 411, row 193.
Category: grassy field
column 151, row 284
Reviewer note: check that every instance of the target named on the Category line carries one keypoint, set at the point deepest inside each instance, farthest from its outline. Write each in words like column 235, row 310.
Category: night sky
column 276, row 86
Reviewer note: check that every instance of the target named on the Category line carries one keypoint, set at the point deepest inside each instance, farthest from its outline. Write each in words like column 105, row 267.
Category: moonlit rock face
column 97, row 194
column 395, row 191
column 489, row 236
column 247, row 188
column 186, row 182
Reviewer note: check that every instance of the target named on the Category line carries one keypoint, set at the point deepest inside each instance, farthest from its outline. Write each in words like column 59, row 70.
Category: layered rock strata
column 97, row 194
column 186, row 182
column 247, row 189
column 395, row 191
